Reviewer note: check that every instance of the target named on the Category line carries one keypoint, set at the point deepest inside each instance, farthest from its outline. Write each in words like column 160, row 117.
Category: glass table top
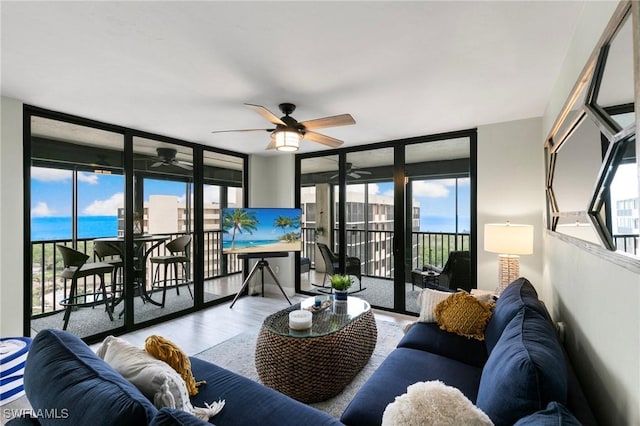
column 327, row 321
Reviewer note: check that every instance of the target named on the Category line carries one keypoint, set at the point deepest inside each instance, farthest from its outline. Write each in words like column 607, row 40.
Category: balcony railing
column 627, row 243
column 375, row 248
column 48, row 288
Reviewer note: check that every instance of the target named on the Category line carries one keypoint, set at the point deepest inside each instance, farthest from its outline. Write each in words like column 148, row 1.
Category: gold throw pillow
column 463, row 314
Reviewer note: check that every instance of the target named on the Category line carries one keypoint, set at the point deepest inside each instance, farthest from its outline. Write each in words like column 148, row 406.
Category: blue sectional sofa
column 519, row 373
column 67, row 384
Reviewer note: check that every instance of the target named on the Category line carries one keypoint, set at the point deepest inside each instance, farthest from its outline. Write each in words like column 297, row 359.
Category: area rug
column 238, row 355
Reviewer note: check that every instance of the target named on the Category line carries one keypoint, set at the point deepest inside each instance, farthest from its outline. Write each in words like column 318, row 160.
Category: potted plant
column 340, row 284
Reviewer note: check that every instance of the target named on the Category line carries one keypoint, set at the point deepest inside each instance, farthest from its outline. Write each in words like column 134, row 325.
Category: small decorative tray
column 322, row 307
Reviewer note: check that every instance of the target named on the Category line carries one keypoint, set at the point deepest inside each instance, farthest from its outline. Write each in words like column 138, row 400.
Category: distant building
column 369, row 224
column 627, row 217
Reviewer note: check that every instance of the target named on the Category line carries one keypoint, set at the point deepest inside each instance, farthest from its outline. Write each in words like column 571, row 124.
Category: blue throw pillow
column 65, row 379
column 518, row 294
column 555, row 414
column 524, row 372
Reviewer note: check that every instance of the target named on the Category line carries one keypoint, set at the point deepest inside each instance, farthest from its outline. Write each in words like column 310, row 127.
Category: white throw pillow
column 433, row 403
column 428, row 299
column 156, row 379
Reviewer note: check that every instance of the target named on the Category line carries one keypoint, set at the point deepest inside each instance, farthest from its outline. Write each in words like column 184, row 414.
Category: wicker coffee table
column 316, row 364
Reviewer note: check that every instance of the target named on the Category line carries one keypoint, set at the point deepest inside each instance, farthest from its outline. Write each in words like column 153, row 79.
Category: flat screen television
column 261, row 230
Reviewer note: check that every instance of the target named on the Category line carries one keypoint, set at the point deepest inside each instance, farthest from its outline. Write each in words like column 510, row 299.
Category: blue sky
column 98, row 194
column 437, row 202
column 101, row 195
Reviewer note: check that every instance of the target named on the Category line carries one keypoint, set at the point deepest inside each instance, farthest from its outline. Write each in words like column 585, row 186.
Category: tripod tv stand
column 260, row 266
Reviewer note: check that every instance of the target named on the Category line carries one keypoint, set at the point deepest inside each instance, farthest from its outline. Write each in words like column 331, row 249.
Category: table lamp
column 509, row 241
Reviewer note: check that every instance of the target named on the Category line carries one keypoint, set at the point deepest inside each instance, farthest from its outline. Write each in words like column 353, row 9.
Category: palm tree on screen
column 283, row 223
column 238, row 221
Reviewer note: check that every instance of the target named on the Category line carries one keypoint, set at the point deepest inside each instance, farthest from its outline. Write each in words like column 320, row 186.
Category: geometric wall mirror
column 591, row 152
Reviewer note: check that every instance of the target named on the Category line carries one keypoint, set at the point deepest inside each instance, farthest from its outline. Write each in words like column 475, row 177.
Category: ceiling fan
column 167, row 157
column 353, row 171
column 288, row 132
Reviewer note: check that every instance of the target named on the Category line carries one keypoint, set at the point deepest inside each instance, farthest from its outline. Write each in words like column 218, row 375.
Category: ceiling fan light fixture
column 287, row 140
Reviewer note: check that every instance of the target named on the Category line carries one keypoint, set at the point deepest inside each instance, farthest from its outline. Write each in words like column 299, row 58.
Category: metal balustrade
column 373, row 248
column 48, row 287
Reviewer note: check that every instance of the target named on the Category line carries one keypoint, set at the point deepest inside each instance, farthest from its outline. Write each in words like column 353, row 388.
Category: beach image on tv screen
column 261, row 230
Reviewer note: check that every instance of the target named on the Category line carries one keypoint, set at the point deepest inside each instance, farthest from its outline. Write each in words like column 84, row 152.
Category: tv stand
column 260, row 266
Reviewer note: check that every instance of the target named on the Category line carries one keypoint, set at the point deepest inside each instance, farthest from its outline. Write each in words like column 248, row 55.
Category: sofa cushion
column 174, row 417
column 555, row 414
column 464, row 315
column 249, row 402
column 155, row 378
column 165, row 350
column 403, row 367
column 428, row 299
column 80, row 387
column 517, row 294
column 524, row 372
column 428, row 337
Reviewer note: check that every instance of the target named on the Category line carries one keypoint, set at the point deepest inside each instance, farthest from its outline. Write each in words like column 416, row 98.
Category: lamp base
column 508, row 271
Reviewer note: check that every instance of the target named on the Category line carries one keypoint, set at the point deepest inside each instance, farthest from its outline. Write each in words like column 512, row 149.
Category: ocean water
column 59, row 228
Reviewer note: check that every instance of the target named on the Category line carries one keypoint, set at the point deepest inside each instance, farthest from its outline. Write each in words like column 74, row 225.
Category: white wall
column 598, row 300
column 11, row 219
column 271, row 184
column 510, row 187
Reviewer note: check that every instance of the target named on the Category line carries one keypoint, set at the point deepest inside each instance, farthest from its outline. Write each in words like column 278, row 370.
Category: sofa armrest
column 23, row 421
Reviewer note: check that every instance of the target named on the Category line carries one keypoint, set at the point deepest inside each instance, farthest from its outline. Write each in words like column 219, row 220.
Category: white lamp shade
column 287, row 140
column 507, row 238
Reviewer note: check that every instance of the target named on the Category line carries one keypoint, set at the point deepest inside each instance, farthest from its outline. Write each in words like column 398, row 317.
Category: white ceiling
column 183, row 69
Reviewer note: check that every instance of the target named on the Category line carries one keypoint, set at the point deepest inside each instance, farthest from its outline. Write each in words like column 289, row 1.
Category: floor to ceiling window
column 153, row 202
column 76, row 189
column 398, row 207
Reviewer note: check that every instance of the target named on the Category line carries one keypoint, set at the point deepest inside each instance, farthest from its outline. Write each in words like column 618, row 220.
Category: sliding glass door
column 438, row 216
column 148, row 204
column 76, row 194
column 398, row 207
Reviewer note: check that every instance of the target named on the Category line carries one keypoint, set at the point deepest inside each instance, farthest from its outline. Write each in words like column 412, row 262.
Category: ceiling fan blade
column 323, row 139
column 354, row 175
column 183, row 165
column 158, row 164
column 272, row 144
column 268, row 115
column 243, row 130
column 363, row 172
column 333, row 177
column 333, row 121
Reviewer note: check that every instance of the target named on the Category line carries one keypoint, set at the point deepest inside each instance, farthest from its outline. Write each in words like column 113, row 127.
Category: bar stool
column 111, row 253
column 178, row 250
column 76, row 266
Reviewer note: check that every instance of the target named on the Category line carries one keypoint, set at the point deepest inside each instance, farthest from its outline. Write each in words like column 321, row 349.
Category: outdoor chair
column 111, row 253
column 456, row 273
column 178, row 257
column 75, row 267
column 332, row 266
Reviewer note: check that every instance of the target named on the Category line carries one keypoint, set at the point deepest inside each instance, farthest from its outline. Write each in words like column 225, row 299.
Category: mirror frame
column 589, row 83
